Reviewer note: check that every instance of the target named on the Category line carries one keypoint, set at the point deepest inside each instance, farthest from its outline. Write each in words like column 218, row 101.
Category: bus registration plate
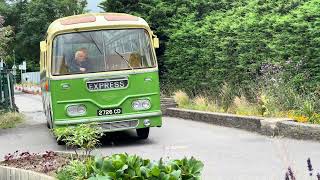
column 106, row 112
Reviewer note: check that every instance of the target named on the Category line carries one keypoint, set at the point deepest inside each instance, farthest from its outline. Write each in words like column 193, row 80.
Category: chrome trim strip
column 106, row 118
column 102, row 74
column 108, row 106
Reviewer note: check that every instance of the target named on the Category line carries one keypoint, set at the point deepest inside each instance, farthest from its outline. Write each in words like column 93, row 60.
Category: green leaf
column 107, row 165
column 98, row 161
column 155, row 171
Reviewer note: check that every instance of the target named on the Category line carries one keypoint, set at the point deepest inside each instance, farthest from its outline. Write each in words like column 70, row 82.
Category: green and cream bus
column 101, row 68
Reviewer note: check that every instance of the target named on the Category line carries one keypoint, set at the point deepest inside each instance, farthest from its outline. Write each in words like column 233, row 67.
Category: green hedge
column 209, row 43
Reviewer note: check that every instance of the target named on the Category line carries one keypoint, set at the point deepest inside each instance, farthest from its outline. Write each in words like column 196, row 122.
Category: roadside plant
column 241, row 106
column 84, row 136
column 289, row 175
column 190, row 168
column 308, row 110
column 75, row 170
column 227, row 96
column 181, row 98
column 10, row 119
column 200, row 103
column 124, row 166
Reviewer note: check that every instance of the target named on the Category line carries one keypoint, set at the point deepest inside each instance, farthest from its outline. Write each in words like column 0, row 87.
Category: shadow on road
column 123, row 138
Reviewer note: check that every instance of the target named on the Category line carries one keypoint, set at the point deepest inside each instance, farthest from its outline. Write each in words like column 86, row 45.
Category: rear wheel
column 143, row 133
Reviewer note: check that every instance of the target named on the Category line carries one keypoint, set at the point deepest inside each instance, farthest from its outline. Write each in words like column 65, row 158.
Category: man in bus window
column 81, row 63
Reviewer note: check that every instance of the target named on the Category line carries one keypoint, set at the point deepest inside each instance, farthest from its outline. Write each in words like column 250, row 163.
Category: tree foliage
column 205, row 45
column 6, row 36
column 30, row 20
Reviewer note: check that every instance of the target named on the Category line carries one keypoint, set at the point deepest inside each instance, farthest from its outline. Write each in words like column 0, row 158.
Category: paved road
column 227, row 153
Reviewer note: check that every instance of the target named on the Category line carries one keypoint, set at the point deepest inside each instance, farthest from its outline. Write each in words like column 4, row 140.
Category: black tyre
column 49, row 119
column 59, row 142
column 143, row 133
column 48, row 125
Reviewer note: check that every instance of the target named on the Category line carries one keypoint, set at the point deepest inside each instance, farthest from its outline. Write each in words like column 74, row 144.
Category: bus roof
column 95, row 21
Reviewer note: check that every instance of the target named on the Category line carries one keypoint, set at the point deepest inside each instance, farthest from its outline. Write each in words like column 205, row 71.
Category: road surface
column 228, row 154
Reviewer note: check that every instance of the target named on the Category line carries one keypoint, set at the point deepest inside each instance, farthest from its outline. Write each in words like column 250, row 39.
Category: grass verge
column 10, row 119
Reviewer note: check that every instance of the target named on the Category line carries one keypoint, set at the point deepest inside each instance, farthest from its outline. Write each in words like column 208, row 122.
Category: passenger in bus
column 81, row 63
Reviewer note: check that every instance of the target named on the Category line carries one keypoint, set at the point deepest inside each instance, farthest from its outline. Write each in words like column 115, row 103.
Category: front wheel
column 143, row 133
column 49, row 119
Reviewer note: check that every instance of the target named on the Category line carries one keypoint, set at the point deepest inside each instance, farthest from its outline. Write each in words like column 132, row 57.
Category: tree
column 6, row 36
column 30, row 20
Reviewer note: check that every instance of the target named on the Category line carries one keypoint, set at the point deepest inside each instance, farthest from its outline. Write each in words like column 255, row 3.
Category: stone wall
column 282, row 127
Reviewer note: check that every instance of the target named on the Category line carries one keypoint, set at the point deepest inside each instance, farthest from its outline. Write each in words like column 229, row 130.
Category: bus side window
column 45, row 59
column 41, row 61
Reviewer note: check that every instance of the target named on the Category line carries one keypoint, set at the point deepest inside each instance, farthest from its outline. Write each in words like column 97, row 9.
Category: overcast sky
column 93, row 5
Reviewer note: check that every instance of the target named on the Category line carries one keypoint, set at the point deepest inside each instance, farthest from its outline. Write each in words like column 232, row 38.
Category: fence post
column 10, row 90
column 1, row 87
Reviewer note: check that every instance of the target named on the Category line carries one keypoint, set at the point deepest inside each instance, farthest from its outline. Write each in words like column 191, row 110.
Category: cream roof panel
column 101, row 22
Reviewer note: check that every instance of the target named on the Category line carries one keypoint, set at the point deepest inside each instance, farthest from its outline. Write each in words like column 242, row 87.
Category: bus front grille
column 119, row 125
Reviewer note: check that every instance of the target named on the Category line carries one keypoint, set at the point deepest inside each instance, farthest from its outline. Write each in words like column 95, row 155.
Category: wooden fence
column 10, row 173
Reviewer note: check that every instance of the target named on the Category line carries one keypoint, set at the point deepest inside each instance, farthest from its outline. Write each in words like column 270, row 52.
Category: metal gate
column 6, row 90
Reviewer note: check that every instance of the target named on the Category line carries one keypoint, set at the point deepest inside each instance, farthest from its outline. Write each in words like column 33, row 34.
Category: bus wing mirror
column 156, row 42
column 43, row 46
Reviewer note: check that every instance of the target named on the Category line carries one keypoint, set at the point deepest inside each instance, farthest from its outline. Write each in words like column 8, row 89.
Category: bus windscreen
column 101, row 51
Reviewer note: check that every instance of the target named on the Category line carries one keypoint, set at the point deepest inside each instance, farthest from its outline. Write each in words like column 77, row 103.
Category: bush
column 124, row 166
column 181, row 98
column 10, row 119
column 201, row 103
column 83, row 136
column 242, row 107
column 75, row 170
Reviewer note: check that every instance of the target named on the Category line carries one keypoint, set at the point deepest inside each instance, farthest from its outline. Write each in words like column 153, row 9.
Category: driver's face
column 81, row 56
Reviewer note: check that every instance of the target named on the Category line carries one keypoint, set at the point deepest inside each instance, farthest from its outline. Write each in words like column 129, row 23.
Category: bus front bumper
column 153, row 117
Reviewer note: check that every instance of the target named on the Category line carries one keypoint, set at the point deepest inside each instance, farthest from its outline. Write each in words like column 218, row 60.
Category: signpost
column 22, row 67
column 14, row 73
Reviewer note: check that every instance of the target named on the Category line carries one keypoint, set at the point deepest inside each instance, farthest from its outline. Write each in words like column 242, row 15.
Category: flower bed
column 117, row 166
column 47, row 163
column 82, row 165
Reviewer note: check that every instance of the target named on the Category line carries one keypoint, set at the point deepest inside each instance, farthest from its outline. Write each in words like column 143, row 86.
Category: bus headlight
column 76, row 110
column 141, row 104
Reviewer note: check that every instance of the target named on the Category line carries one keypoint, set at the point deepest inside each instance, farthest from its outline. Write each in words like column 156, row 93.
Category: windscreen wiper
column 95, row 43
column 91, row 39
column 124, row 59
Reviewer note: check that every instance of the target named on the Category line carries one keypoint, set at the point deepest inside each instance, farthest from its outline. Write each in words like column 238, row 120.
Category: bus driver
column 81, row 63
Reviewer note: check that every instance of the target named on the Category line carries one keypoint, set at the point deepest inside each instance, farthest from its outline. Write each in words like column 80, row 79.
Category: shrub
column 227, row 95
column 75, row 170
column 10, row 119
column 83, row 136
column 200, row 103
column 124, row 166
column 242, row 107
column 181, row 98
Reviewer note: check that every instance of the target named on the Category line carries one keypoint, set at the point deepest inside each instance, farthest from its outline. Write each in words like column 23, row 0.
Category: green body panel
column 78, row 93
